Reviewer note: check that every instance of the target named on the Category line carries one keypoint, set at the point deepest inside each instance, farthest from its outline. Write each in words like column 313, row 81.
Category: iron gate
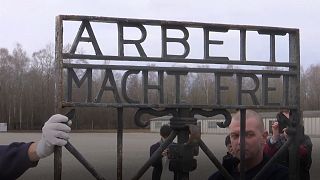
column 183, row 121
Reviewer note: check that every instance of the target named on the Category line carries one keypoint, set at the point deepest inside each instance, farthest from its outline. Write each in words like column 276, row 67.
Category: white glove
column 54, row 132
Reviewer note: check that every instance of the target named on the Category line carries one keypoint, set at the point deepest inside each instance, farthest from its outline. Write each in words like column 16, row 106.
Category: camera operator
column 279, row 137
column 161, row 165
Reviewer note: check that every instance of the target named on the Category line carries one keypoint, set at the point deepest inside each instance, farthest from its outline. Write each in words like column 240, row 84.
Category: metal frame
column 183, row 113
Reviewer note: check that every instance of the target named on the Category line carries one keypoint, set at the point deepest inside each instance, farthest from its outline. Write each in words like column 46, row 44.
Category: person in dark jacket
column 279, row 137
column 158, row 165
column 229, row 161
column 255, row 140
column 18, row 157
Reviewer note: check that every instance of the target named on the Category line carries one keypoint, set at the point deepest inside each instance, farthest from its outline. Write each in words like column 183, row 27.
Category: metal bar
column 212, row 60
column 57, row 165
column 83, row 161
column 155, row 155
column 272, row 48
column 119, row 143
column 182, row 138
column 181, row 70
column 59, row 91
column 243, row 45
column 242, row 142
column 294, row 173
column 184, row 23
column 210, row 106
column 214, row 160
column 294, row 98
column 279, row 153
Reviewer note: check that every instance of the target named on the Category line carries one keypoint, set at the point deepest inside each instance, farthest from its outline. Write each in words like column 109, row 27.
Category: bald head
column 254, row 137
column 250, row 114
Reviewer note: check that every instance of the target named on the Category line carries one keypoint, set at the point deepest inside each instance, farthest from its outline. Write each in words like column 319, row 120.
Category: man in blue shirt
column 17, row 157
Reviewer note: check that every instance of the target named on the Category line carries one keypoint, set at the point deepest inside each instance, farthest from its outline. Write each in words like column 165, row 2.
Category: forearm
column 14, row 159
column 32, row 153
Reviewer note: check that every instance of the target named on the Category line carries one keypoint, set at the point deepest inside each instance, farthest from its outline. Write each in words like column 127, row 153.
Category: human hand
column 165, row 152
column 54, row 132
column 275, row 131
column 285, row 133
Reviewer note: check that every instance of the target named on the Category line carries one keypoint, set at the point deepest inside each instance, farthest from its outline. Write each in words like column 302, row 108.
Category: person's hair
column 227, row 140
column 250, row 114
column 165, row 130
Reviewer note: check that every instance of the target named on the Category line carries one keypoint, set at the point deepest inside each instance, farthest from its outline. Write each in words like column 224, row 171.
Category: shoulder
column 154, row 147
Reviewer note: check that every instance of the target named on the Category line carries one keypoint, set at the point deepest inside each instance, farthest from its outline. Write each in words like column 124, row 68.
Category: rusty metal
column 242, row 142
column 57, row 162
column 119, row 143
column 180, row 122
column 214, row 160
column 77, row 154
column 183, row 113
column 155, row 155
column 83, row 161
column 58, row 92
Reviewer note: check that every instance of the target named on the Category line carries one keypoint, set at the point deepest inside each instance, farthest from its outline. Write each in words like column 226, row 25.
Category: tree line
column 27, row 91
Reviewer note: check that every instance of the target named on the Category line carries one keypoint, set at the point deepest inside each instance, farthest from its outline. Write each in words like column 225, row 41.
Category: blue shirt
column 14, row 160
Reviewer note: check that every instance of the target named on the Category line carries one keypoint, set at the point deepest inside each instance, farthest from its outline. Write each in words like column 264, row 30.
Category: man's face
column 254, row 139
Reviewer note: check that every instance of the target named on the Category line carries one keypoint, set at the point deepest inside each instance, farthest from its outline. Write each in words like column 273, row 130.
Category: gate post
column 181, row 154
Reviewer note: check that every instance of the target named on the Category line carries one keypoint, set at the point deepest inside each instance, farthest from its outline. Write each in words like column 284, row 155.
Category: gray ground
column 100, row 150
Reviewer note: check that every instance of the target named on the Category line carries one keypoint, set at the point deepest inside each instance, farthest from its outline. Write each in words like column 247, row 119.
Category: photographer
column 160, row 166
column 279, row 137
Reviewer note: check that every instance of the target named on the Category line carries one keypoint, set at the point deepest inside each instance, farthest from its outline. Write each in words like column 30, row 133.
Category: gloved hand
column 54, row 132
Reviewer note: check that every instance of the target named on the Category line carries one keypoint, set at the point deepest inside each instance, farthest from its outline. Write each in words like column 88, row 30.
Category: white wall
column 311, row 125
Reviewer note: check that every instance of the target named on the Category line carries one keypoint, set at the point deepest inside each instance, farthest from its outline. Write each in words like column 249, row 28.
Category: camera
column 283, row 121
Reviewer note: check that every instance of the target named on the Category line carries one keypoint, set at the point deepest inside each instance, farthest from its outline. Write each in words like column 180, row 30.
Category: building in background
column 209, row 125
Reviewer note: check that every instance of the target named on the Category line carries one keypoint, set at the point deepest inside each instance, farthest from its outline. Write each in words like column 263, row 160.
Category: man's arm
column 32, row 153
column 16, row 158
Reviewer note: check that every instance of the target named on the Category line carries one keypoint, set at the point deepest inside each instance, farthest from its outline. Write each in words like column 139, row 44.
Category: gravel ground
column 100, row 150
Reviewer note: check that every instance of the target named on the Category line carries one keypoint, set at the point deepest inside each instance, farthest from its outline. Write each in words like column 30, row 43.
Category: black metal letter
column 207, row 43
column 266, row 89
column 166, row 39
column 219, row 88
column 272, row 41
column 137, row 43
column 124, row 86
column 85, row 25
column 251, row 92
column 177, row 74
column 146, row 86
column 112, row 87
column 73, row 75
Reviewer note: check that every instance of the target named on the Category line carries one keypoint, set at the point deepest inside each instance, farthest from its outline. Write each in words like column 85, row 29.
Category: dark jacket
column 305, row 150
column 275, row 172
column 157, row 165
column 229, row 162
column 14, row 160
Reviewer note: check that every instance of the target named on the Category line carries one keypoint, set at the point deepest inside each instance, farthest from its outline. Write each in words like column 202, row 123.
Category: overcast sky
column 32, row 22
